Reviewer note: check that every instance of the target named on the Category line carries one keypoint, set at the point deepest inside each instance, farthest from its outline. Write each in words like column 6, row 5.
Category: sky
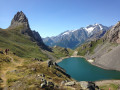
column 52, row 17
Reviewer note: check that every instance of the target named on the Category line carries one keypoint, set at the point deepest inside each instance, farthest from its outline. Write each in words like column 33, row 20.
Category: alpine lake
column 81, row 70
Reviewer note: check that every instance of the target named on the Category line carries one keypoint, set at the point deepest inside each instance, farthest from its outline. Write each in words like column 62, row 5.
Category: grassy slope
column 109, row 87
column 88, row 47
column 61, row 52
column 25, row 49
column 23, row 46
column 19, row 73
column 20, row 44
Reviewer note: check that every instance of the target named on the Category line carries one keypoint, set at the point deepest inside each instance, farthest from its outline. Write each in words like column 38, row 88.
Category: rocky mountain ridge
column 74, row 38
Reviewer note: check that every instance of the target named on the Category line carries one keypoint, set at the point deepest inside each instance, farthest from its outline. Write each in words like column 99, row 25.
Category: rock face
column 114, row 34
column 37, row 36
column 20, row 19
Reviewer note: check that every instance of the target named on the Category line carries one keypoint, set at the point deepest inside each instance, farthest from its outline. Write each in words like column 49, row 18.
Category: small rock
column 1, row 52
column 59, row 75
column 13, row 71
column 42, row 75
column 70, row 83
column 63, row 82
column 50, row 84
column 33, row 69
column 1, row 80
column 42, row 79
column 43, row 85
column 56, row 86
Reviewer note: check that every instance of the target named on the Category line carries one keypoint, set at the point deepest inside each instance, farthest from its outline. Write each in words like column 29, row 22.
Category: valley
column 30, row 62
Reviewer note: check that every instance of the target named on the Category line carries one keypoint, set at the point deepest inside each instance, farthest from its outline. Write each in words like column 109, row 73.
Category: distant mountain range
column 73, row 38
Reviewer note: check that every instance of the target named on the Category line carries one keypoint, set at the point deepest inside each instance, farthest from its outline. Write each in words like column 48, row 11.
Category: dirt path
column 9, row 68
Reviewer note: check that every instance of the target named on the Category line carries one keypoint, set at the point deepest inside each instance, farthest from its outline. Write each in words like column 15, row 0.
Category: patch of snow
column 89, row 30
column 101, row 28
column 74, row 30
column 68, row 32
column 65, row 33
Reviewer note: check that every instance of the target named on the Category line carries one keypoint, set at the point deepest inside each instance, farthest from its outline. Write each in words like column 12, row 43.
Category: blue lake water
column 80, row 70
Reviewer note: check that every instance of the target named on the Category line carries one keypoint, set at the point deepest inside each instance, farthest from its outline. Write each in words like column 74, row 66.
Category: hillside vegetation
column 20, row 44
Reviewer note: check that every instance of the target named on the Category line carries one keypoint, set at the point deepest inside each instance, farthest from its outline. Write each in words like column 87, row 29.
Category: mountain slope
column 26, row 62
column 72, row 39
column 105, row 51
column 24, row 42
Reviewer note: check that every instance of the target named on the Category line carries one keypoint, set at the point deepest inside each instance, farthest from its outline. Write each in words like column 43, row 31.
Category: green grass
column 109, row 86
column 20, row 44
column 88, row 47
column 61, row 52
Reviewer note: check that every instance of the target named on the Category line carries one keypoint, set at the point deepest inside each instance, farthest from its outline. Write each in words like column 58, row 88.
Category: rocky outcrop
column 37, row 36
column 114, row 34
column 88, row 85
column 70, row 83
column 19, row 19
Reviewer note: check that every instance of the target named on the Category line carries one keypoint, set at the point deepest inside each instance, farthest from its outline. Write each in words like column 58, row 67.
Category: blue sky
column 51, row 17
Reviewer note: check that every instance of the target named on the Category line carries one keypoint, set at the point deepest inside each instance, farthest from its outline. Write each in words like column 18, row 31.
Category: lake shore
column 103, row 82
column 88, row 60
column 59, row 60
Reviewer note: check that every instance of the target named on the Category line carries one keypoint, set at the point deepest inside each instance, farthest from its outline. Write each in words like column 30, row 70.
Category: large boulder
column 84, row 84
column 50, row 62
column 70, row 83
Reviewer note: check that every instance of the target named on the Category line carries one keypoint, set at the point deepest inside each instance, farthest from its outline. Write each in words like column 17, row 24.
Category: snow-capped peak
column 68, row 32
column 91, row 28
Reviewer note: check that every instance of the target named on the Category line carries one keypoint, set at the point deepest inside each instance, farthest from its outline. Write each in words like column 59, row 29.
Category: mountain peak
column 19, row 19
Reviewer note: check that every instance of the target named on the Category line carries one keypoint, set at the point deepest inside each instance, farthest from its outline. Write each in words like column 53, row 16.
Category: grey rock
column 13, row 71
column 33, row 69
column 43, row 79
column 63, row 82
column 50, row 62
column 1, row 80
column 42, row 75
column 51, row 84
column 114, row 34
column 58, row 74
column 84, row 84
column 70, row 83
column 1, row 52
column 19, row 19
column 43, row 85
